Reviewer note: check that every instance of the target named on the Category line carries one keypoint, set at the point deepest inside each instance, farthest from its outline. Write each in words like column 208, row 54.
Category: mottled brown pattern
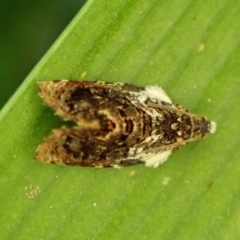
column 111, row 119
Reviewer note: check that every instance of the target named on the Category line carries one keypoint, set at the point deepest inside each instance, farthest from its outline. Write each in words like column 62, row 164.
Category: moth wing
column 158, row 93
column 155, row 159
column 138, row 156
column 82, row 148
column 85, row 101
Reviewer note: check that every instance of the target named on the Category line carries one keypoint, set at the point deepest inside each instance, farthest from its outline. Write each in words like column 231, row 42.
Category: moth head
column 202, row 127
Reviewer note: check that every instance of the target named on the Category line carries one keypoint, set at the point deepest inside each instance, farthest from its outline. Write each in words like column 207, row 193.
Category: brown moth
column 117, row 124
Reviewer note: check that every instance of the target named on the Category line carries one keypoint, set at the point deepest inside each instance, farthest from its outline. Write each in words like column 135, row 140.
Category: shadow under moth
column 117, row 124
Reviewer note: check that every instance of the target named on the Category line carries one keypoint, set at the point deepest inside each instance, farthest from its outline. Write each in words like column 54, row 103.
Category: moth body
column 117, row 124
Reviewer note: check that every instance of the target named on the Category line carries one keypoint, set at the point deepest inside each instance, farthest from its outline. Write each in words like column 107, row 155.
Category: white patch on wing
column 134, row 152
column 142, row 98
column 151, row 139
column 158, row 158
column 158, row 93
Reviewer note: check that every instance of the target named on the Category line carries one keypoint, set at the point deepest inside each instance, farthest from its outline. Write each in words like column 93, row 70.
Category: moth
column 117, row 124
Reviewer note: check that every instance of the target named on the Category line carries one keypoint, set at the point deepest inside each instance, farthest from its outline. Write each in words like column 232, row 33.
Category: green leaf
column 191, row 49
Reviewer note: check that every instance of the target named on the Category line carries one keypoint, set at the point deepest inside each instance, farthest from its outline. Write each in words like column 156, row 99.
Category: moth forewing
column 118, row 124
